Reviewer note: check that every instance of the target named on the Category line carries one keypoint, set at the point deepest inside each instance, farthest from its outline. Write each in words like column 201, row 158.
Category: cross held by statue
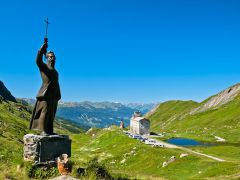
column 47, row 23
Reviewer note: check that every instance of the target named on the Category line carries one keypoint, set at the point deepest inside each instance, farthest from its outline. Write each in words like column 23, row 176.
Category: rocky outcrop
column 5, row 93
column 218, row 100
column 183, row 155
column 171, row 160
column 219, row 139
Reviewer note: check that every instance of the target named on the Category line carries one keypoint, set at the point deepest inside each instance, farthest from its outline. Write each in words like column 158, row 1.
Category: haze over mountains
column 212, row 116
column 89, row 114
column 98, row 114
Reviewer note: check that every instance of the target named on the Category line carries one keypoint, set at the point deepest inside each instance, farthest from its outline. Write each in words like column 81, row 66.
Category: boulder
column 183, row 155
column 172, row 159
column 164, row 164
column 123, row 161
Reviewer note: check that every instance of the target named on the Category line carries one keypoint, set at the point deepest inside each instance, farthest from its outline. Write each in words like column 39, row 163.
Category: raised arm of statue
column 41, row 52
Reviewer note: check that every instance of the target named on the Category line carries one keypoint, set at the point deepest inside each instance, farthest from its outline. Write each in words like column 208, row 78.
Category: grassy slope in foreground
column 131, row 158
column 110, row 146
column 14, row 121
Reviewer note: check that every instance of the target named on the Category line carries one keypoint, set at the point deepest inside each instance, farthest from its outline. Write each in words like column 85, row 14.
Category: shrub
column 41, row 171
column 95, row 170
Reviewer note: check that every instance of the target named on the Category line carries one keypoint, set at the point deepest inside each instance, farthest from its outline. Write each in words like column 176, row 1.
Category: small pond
column 187, row 142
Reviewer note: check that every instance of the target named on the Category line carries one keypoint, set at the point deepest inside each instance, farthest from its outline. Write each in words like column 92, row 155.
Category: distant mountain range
column 98, row 114
column 88, row 114
column 212, row 117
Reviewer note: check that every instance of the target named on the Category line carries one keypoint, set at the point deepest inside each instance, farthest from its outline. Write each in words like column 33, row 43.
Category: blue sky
column 126, row 50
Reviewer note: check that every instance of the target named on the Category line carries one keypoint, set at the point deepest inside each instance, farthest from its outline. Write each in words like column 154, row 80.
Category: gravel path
column 167, row 145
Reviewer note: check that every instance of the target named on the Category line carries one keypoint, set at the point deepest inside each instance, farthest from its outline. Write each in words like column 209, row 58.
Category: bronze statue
column 49, row 93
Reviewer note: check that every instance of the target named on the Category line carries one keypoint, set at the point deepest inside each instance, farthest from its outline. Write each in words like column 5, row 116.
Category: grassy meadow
column 110, row 154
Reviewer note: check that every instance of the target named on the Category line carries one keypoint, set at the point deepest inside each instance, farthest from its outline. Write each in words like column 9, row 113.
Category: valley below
column 213, row 123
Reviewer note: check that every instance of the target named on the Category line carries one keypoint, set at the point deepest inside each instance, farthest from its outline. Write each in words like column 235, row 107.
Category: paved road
column 167, row 145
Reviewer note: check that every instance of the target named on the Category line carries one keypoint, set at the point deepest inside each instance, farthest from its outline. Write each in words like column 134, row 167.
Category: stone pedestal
column 45, row 148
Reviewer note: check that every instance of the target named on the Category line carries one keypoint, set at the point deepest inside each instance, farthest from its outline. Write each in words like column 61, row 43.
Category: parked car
column 130, row 135
column 134, row 136
column 150, row 141
column 158, row 144
column 143, row 139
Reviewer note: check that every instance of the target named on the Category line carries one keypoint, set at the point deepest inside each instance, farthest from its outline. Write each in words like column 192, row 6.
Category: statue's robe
column 47, row 98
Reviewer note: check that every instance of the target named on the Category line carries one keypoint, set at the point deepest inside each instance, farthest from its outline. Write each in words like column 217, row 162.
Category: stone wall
column 45, row 148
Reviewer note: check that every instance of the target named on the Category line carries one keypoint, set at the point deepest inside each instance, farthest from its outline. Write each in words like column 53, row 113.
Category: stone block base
column 45, row 148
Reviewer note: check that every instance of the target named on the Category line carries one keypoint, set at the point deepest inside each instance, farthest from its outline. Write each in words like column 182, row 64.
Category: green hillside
column 217, row 116
column 12, row 129
column 184, row 119
column 133, row 159
column 121, row 157
column 223, row 122
column 14, row 122
column 168, row 112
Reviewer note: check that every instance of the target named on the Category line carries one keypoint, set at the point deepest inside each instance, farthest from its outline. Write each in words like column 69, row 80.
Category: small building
column 121, row 125
column 139, row 124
